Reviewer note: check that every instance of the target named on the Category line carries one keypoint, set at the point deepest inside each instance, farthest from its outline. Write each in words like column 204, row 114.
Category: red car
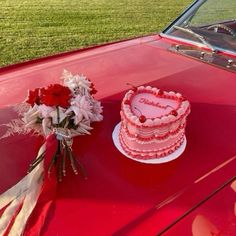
column 194, row 194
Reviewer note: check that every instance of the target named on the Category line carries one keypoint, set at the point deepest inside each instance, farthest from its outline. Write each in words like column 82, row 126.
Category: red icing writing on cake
column 151, row 103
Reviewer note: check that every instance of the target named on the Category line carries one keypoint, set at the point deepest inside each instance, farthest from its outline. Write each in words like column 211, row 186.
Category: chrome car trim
column 204, row 55
column 198, row 44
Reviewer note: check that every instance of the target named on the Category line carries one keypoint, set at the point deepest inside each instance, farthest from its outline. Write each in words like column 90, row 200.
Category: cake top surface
column 150, row 106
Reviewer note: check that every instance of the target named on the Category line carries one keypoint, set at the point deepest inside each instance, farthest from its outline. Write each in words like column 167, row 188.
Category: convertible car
column 194, row 194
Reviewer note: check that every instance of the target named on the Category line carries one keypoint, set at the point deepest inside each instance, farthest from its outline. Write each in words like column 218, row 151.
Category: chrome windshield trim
column 198, row 44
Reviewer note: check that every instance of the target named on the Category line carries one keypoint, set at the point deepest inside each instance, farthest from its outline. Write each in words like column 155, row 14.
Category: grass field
column 35, row 28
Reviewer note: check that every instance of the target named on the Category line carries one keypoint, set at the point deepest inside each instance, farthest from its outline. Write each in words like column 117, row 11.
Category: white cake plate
column 170, row 157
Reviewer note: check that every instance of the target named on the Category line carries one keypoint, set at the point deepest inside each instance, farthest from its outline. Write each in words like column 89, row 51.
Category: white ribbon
column 25, row 192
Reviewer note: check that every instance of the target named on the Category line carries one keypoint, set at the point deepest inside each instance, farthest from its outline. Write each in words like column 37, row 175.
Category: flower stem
column 71, row 157
column 82, row 169
column 35, row 162
column 58, row 116
column 59, row 171
column 55, row 157
column 64, row 163
column 72, row 162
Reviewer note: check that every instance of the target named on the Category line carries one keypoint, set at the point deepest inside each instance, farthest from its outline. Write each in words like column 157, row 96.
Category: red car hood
column 139, row 61
column 123, row 197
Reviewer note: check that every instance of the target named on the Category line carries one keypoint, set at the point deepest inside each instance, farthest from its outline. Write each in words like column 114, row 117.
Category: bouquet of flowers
column 59, row 112
column 65, row 110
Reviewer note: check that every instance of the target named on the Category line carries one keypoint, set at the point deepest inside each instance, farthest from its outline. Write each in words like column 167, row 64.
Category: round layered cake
column 152, row 122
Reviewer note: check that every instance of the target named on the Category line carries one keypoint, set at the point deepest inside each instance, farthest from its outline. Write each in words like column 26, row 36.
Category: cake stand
column 170, row 157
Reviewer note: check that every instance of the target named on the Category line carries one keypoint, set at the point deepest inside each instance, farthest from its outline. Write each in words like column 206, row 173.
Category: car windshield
column 209, row 22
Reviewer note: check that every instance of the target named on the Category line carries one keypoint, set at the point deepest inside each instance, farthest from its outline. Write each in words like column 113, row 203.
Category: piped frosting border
column 182, row 110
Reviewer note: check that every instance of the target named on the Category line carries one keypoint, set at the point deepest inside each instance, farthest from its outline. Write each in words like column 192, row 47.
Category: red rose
column 33, row 97
column 56, row 95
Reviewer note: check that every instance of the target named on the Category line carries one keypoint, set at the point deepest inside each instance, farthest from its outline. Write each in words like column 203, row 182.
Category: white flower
column 31, row 116
column 31, row 119
column 83, row 105
column 46, row 125
column 76, row 83
column 45, row 110
column 83, row 128
column 96, row 111
column 82, row 108
column 54, row 115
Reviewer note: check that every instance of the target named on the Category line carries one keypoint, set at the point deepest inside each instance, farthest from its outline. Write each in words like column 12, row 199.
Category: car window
column 210, row 22
column 213, row 11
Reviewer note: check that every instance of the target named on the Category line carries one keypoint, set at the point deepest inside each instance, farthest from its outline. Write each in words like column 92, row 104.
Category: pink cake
column 152, row 122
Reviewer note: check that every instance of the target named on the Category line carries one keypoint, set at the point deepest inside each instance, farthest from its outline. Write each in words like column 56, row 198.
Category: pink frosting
column 153, row 145
column 162, row 131
column 151, row 106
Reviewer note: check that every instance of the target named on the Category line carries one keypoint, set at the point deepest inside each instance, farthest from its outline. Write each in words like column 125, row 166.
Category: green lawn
column 36, row 28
